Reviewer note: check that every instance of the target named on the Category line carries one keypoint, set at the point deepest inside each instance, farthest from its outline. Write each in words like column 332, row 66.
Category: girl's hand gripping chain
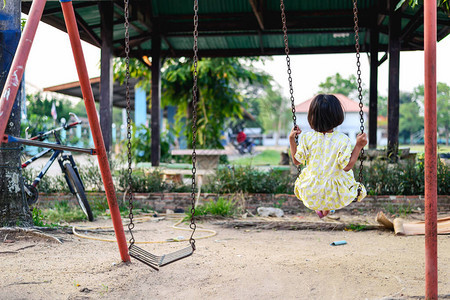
column 294, row 133
column 292, row 142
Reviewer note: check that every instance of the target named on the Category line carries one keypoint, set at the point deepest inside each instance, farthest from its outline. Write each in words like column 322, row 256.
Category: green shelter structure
column 163, row 28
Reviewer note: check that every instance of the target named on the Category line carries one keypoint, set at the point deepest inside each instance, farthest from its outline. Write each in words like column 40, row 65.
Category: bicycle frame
column 59, row 151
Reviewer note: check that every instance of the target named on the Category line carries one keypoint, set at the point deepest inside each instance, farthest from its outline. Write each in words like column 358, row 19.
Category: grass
column 267, row 157
column 421, row 148
column 400, row 210
column 222, row 207
column 68, row 211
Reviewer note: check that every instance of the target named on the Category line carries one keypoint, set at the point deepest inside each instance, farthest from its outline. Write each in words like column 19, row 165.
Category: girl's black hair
column 325, row 113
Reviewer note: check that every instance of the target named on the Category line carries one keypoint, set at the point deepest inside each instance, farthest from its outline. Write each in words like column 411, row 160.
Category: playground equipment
column 17, row 68
column 358, row 64
column 156, row 261
column 11, row 87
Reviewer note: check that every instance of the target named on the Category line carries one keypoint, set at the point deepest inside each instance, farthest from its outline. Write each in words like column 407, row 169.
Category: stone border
column 288, row 203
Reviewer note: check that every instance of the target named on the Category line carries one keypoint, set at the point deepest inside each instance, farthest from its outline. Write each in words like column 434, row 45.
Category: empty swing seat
column 156, row 261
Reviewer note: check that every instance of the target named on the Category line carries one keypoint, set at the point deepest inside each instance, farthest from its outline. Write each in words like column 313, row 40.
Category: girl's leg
column 322, row 213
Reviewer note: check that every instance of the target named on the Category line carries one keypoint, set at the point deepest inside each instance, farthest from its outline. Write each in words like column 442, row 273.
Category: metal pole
column 15, row 74
column 431, row 269
column 72, row 30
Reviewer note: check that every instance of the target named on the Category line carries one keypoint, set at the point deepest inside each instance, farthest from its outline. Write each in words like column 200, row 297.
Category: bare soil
column 234, row 264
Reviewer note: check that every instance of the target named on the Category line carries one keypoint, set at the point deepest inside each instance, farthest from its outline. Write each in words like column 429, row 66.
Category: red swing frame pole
column 74, row 36
column 431, row 266
column 15, row 74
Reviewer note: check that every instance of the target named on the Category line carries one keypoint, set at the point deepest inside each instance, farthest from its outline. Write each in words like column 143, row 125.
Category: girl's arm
column 294, row 132
column 361, row 141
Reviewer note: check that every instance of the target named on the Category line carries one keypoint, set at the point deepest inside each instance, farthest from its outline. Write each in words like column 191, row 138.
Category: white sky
column 51, row 63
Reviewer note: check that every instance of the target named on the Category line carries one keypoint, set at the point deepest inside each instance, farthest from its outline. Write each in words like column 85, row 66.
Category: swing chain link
column 288, row 62
column 193, row 226
column 128, row 108
column 360, row 97
column 289, row 71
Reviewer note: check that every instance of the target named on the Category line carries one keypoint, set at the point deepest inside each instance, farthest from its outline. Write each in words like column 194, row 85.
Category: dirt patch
column 233, row 264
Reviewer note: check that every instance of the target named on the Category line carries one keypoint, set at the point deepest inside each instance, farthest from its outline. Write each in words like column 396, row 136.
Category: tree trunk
column 14, row 209
column 446, row 136
column 411, row 138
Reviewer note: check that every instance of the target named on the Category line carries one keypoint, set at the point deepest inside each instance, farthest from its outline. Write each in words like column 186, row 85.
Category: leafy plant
column 62, row 211
column 38, row 217
column 443, row 4
column 356, row 227
column 222, row 207
column 250, row 180
column 401, row 209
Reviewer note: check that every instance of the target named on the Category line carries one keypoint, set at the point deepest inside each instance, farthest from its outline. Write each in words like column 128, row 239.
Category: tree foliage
column 442, row 107
column 224, row 85
column 442, row 4
column 275, row 112
column 224, row 88
column 336, row 84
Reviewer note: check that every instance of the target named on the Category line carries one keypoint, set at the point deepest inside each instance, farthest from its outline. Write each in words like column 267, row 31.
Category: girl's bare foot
column 325, row 212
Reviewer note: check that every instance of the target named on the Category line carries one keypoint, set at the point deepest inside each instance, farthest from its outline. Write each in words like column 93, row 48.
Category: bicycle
column 66, row 162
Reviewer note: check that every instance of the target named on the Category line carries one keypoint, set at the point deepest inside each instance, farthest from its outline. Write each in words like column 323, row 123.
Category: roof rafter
column 257, row 10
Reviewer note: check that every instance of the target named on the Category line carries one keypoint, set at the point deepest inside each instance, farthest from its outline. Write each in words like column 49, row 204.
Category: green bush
column 222, row 207
column 48, row 184
column 250, row 180
column 404, row 178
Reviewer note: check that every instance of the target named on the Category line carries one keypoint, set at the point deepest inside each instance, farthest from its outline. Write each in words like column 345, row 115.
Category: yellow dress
column 323, row 184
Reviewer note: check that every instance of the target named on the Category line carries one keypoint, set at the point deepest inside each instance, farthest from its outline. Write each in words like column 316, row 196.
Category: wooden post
column 394, row 80
column 431, row 264
column 373, row 96
column 156, row 99
column 106, row 80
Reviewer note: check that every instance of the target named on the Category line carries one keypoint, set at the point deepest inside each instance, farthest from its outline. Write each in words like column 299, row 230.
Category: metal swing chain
column 193, row 226
column 127, row 84
column 288, row 62
column 358, row 64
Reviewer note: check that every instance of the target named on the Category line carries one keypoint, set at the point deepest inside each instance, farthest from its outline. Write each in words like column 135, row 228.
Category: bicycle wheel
column 78, row 191
column 31, row 194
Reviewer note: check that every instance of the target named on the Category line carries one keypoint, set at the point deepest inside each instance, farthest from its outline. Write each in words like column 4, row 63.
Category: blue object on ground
column 338, row 243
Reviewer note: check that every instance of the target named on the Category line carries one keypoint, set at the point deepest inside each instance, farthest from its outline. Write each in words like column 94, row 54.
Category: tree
column 14, row 210
column 275, row 113
column 442, row 107
column 336, row 84
column 410, row 120
column 382, row 106
column 224, row 88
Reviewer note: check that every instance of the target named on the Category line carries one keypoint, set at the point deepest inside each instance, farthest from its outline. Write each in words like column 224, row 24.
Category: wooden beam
column 253, row 52
column 257, row 11
column 156, row 100
column 246, row 21
column 106, row 68
column 171, row 49
column 394, row 81
column 373, row 92
column 416, row 22
column 383, row 59
column 94, row 38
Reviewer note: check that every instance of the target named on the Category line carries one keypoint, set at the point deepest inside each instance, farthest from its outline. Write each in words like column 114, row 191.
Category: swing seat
column 156, row 261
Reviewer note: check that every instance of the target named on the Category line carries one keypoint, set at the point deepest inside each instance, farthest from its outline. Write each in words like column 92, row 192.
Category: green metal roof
column 246, row 27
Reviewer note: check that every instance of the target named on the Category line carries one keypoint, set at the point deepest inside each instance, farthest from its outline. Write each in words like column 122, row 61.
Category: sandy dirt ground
column 234, row 264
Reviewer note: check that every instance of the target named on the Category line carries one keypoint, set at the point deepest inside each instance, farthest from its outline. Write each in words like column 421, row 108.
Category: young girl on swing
column 327, row 182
